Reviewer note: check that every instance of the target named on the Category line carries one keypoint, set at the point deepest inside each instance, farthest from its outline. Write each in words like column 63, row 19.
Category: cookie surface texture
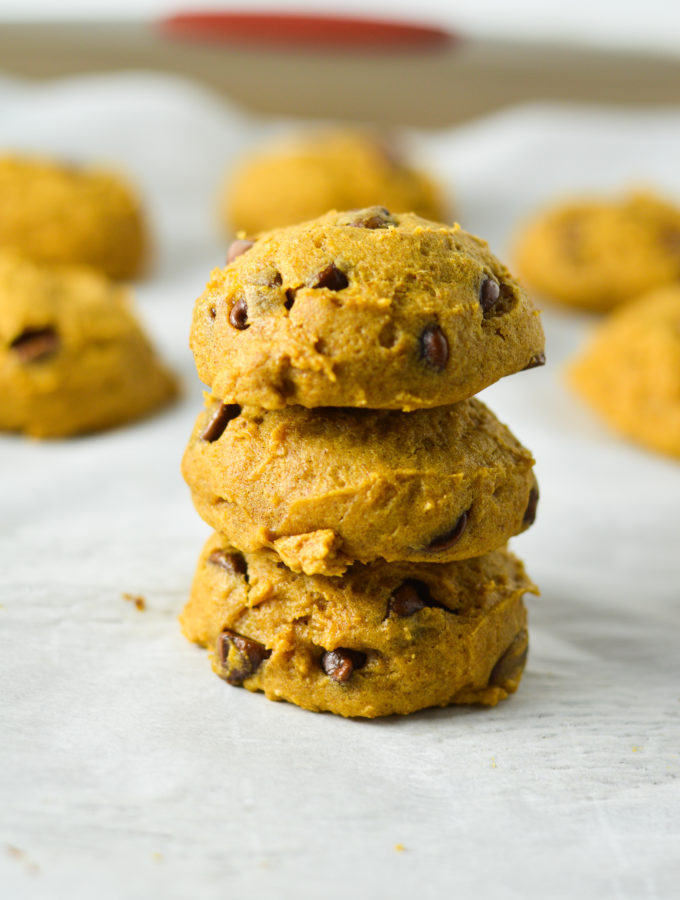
column 382, row 639
column 64, row 214
column 598, row 254
column 72, row 356
column 630, row 371
column 363, row 309
column 302, row 178
column 326, row 487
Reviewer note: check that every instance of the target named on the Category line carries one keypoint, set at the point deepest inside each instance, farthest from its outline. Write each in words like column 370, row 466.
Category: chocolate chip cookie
column 304, row 177
column 72, row 356
column 597, row 254
column 56, row 213
column 326, row 487
column 382, row 639
column 630, row 371
column 365, row 309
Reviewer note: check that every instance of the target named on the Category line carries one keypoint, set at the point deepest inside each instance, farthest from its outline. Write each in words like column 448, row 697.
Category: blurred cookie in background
column 57, row 213
column 630, row 371
column 73, row 357
column 308, row 175
column 596, row 254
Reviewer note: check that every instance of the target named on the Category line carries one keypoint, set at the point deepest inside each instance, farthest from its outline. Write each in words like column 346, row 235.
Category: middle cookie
column 327, row 487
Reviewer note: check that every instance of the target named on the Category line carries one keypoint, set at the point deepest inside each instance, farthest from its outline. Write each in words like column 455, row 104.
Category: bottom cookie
column 383, row 638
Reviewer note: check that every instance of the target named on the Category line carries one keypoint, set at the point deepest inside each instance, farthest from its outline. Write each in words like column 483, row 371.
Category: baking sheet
column 128, row 770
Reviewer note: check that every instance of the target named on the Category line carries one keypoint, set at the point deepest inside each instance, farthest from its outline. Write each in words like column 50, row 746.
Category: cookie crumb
column 14, row 852
column 399, row 848
column 137, row 599
column 157, row 857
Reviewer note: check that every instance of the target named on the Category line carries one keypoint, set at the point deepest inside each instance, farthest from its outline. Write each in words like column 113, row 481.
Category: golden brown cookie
column 326, row 487
column 303, row 178
column 630, row 370
column 597, row 254
column 72, row 356
column 363, row 309
column 64, row 214
column 381, row 639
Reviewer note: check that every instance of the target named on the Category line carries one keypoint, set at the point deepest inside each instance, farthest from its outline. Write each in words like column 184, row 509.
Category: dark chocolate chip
column 276, row 280
column 213, row 312
column 240, row 657
column 234, row 563
column 373, row 217
column 35, row 343
column 446, row 541
column 339, row 664
column 409, row 598
column 489, row 295
column 530, row 513
column 223, row 415
column 434, row 347
column 238, row 248
column 290, row 298
column 331, row 278
column 535, row 362
column 511, row 664
column 238, row 316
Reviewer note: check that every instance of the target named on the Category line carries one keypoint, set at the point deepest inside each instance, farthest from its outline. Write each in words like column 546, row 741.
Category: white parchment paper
column 128, row 770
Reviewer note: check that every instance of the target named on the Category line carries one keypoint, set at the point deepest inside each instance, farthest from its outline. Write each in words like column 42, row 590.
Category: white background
column 653, row 25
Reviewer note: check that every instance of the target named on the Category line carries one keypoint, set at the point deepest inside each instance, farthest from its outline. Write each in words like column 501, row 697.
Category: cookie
column 326, row 487
column 597, row 254
column 384, row 638
column 630, row 371
column 72, row 356
column 363, row 309
column 65, row 214
column 303, row 178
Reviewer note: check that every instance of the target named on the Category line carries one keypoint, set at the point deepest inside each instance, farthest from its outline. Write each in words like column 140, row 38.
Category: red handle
column 285, row 30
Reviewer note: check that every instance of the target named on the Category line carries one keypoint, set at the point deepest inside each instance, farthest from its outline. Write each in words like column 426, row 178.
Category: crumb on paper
column 21, row 856
column 137, row 599
column 493, row 762
column 399, row 848
column 157, row 857
column 636, row 748
column 14, row 852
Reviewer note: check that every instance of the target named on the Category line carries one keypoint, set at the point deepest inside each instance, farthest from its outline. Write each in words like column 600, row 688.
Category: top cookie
column 64, row 214
column 304, row 177
column 362, row 308
column 597, row 254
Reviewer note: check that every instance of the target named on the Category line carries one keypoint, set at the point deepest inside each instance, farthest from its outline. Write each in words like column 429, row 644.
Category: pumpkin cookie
column 326, row 487
column 630, row 371
column 597, row 254
column 303, row 178
column 72, row 356
column 63, row 214
column 365, row 309
column 381, row 639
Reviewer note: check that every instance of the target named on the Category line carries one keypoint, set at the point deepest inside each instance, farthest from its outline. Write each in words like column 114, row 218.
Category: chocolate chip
column 238, row 248
column 489, row 295
column 409, row 598
column 240, row 657
column 535, row 361
column 213, row 312
column 238, row 316
column 373, row 217
column 434, row 347
column 223, row 415
column 35, row 343
column 511, row 664
column 290, row 298
column 234, row 563
column 331, row 278
column 446, row 541
column 530, row 514
column 339, row 664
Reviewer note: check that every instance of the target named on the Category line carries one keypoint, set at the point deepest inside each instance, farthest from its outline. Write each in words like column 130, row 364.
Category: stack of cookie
column 361, row 497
